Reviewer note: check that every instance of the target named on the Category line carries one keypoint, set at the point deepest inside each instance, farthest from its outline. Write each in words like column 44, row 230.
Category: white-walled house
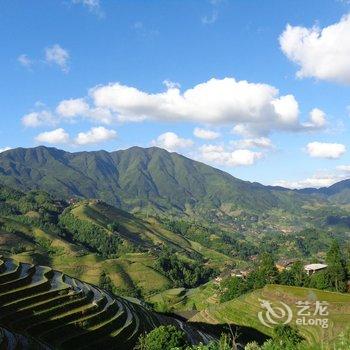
column 313, row 268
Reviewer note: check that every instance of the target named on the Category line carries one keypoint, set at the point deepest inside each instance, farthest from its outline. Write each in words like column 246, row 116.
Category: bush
column 163, row 338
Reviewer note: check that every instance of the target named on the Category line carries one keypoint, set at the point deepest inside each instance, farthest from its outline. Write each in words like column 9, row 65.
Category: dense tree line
column 224, row 243
column 333, row 278
column 169, row 337
column 96, row 238
column 181, row 273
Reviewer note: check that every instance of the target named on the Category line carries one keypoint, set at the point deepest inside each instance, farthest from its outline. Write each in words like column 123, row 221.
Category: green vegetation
column 163, row 338
column 244, row 310
column 182, row 274
column 333, row 278
column 66, row 313
column 187, row 224
column 284, row 337
column 91, row 235
column 151, row 179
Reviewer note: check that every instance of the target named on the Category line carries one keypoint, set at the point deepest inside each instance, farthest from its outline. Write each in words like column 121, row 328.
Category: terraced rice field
column 244, row 311
column 62, row 312
column 13, row 341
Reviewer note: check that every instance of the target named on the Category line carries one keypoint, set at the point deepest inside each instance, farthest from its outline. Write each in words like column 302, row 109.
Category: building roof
column 314, row 267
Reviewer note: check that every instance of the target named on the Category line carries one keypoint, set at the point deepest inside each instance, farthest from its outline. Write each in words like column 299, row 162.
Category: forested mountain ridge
column 140, row 178
column 337, row 193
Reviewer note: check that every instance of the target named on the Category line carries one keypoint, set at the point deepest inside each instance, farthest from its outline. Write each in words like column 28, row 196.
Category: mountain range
column 150, row 179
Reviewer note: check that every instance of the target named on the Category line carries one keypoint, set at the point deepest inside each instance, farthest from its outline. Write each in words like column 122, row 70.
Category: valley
column 173, row 250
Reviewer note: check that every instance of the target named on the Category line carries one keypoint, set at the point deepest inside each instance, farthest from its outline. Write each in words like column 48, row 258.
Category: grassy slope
column 244, row 310
column 129, row 271
column 145, row 232
column 136, row 268
column 181, row 299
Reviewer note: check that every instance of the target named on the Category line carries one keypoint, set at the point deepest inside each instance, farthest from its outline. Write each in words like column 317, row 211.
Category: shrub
column 163, row 338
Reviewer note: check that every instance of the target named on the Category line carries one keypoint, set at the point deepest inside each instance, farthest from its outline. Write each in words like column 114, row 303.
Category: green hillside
column 150, row 179
column 92, row 239
column 45, row 304
column 244, row 311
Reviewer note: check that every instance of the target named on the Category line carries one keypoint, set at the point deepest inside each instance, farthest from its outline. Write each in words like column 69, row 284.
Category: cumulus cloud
column 4, row 149
column 260, row 142
column 72, row 108
column 58, row 56
column 95, row 135
column 322, row 53
column 36, row 119
column 60, row 136
column 252, row 109
column 205, row 134
column 171, row 142
column 325, row 150
column 317, row 119
column 57, row 136
column 255, row 108
column 25, row 61
column 219, row 155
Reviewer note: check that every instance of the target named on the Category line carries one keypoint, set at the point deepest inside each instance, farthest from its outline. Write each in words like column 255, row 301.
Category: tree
column 336, row 271
column 268, row 268
column 295, row 276
column 266, row 273
column 233, row 288
column 285, row 338
column 319, row 280
column 284, row 333
column 163, row 338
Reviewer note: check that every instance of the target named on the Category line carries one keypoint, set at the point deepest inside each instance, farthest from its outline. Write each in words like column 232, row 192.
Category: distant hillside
column 244, row 311
column 91, row 239
column 138, row 178
column 338, row 193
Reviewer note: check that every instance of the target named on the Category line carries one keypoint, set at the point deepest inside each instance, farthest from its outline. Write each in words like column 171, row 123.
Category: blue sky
column 224, row 82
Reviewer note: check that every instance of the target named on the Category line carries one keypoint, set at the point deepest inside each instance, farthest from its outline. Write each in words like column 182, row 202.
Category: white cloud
column 35, row 119
column 322, row 178
column 218, row 155
column 72, row 108
column 95, row 135
column 57, row 55
column 317, row 119
column 260, row 142
column 344, row 168
column 25, row 61
column 315, row 181
column 322, row 53
column 171, row 84
column 325, row 150
column 57, row 136
column 92, row 5
column 210, row 19
column 80, row 108
column 205, row 134
column 4, row 149
column 171, row 142
column 253, row 107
